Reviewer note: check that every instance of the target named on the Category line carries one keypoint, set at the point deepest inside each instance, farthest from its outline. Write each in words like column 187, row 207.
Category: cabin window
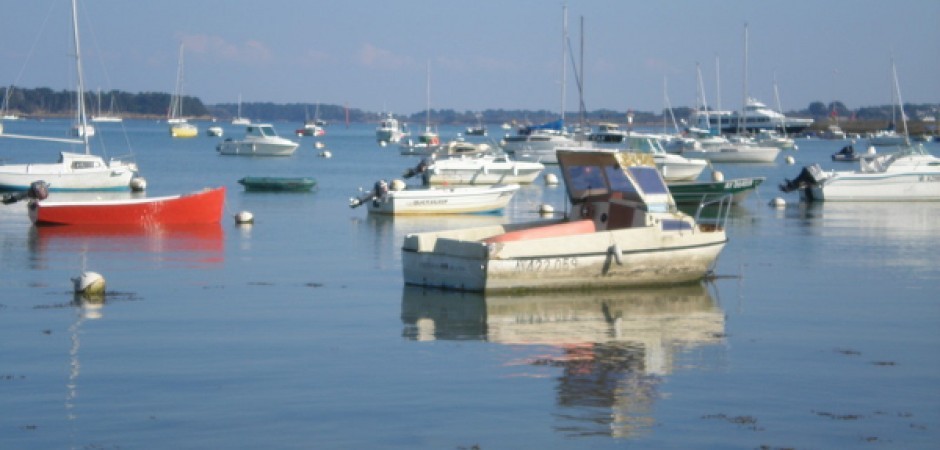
column 649, row 179
column 83, row 164
column 584, row 178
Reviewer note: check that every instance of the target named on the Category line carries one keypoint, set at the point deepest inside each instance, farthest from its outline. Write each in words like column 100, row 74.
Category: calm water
column 821, row 330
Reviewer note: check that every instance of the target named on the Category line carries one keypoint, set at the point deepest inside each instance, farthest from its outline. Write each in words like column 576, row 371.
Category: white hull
column 257, row 148
column 444, row 200
column 647, row 256
column 857, row 187
column 735, row 153
column 482, row 170
column 74, row 172
column 536, row 147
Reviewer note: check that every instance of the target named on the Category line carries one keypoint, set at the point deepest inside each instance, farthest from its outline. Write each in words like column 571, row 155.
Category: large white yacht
column 757, row 116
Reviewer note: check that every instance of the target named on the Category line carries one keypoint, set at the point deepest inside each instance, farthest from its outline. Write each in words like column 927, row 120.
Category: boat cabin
column 260, row 131
column 614, row 189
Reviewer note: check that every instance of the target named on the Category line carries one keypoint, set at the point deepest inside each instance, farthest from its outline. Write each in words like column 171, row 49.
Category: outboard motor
column 422, row 167
column 809, row 176
column 38, row 190
column 379, row 190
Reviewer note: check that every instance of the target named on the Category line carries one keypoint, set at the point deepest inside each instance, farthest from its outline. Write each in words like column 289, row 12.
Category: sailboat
column 73, row 171
column 179, row 127
column 5, row 113
column 429, row 141
column 110, row 116
column 238, row 119
column 312, row 127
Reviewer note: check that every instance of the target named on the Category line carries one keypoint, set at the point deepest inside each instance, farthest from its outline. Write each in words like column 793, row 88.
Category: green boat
column 689, row 192
column 292, row 184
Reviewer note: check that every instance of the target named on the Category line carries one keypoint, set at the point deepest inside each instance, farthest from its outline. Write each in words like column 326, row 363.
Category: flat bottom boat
column 293, row 184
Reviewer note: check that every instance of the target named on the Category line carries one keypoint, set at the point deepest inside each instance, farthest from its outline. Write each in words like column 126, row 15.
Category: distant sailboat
column 179, row 127
column 110, row 116
column 238, row 119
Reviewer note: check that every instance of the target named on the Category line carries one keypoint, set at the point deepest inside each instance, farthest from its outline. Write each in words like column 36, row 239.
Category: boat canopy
column 610, row 174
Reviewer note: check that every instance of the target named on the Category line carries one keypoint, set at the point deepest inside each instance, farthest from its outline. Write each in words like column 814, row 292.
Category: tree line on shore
column 45, row 102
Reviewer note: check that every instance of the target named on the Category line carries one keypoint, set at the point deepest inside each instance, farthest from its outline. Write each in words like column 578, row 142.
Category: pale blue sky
column 372, row 54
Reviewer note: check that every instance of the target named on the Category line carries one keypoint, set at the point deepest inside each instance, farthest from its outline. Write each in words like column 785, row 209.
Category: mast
column 427, row 125
column 82, row 119
column 897, row 89
column 783, row 119
column 718, row 93
column 744, row 103
column 564, row 54
column 701, row 90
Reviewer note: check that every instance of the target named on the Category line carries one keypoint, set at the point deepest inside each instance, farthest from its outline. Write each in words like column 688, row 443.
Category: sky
column 485, row 54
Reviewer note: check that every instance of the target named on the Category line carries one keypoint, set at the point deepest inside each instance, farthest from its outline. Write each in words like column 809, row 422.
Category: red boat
column 203, row 207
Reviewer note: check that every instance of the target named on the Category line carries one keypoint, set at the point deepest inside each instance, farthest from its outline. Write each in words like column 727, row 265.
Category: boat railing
column 722, row 208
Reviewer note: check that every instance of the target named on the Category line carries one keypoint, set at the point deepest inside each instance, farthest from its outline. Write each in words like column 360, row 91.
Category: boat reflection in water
column 185, row 244
column 614, row 347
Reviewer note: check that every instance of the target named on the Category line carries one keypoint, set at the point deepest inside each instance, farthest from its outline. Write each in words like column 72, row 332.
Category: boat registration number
column 546, row 264
column 742, row 183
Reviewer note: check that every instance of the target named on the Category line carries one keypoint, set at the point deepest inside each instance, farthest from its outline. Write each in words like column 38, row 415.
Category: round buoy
column 397, row 185
column 796, row 147
column 545, row 209
column 319, row 144
column 244, row 217
column 778, row 202
column 89, row 283
column 790, row 160
column 382, row 143
column 717, row 176
column 551, row 179
column 138, row 184
column 871, row 150
column 326, row 154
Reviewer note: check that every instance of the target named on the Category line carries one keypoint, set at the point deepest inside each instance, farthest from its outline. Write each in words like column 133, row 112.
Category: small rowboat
column 295, row 184
column 203, row 207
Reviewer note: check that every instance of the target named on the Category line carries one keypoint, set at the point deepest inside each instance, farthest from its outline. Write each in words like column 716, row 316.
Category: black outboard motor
column 38, row 190
column 420, row 168
column 809, row 176
column 379, row 190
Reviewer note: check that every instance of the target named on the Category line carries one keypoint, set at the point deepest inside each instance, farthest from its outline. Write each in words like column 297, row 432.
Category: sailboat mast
column 80, row 96
column 718, row 93
column 897, row 89
column 744, row 94
column 564, row 54
column 427, row 125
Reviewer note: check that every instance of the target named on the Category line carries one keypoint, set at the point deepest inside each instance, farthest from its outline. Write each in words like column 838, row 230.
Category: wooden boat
column 203, row 207
column 453, row 200
column 688, row 192
column 625, row 230
column 295, row 184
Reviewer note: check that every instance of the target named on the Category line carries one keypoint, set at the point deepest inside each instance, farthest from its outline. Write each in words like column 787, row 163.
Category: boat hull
column 183, row 130
column 463, row 200
column 472, row 171
column 74, row 172
column 248, row 148
column 294, row 184
column 878, row 187
column 646, row 256
column 701, row 192
column 204, row 207
column 735, row 154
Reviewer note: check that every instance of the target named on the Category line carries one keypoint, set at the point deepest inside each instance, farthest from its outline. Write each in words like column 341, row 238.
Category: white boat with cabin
column 757, row 116
column 390, row 130
column 610, row 136
column 260, row 140
column 399, row 199
column 624, row 230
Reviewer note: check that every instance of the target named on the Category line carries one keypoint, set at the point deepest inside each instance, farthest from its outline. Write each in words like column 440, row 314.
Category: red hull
column 204, row 207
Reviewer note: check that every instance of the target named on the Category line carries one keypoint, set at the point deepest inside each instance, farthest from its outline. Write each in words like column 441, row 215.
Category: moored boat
column 476, row 169
column 400, row 199
column 625, row 230
column 690, row 192
column 259, row 140
column 295, row 184
column 202, row 207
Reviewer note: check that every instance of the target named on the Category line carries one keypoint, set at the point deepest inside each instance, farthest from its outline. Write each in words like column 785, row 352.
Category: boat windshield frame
column 626, row 175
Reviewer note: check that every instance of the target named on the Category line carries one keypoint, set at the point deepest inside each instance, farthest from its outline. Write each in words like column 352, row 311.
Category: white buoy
column 326, row 154
column 545, row 209
column 89, row 283
column 319, row 144
column 138, row 184
column 778, row 202
column 789, row 159
column 717, row 176
column 551, row 179
column 382, row 143
column 397, row 185
column 244, row 217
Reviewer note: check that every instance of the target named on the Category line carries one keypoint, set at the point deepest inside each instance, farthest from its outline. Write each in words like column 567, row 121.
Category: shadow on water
column 613, row 348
